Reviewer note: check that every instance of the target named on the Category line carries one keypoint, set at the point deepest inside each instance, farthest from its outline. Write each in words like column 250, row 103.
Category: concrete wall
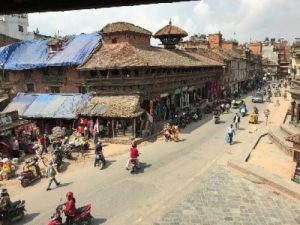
column 15, row 26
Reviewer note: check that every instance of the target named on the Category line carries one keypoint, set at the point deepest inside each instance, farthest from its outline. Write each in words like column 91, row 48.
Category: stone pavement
column 227, row 198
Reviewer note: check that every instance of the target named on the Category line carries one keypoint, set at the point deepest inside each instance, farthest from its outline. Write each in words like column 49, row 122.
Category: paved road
column 227, row 198
column 169, row 175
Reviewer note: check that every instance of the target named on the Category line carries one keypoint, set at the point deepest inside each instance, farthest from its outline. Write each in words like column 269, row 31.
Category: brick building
column 45, row 65
column 226, row 52
column 256, row 48
column 166, row 76
column 6, row 40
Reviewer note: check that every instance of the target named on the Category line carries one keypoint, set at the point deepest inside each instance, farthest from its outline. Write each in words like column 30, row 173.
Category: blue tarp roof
column 20, row 103
column 34, row 54
column 76, row 51
column 60, row 106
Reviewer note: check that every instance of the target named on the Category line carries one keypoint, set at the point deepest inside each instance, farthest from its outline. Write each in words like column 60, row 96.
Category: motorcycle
column 99, row 160
column 32, row 174
column 199, row 113
column 17, row 212
column 133, row 165
column 83, row 216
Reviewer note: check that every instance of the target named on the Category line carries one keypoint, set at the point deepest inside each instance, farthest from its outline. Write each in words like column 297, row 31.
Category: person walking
column 236, row 121
column 230, row 132
column 51, row 175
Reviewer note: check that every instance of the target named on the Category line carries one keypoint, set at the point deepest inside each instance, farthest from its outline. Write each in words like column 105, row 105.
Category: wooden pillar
column 113, row 128
column 134, row 128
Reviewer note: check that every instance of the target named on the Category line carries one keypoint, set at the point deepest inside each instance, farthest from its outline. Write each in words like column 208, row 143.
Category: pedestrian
column 51, row 175
column 236, row 120
column 86, row 133
column 43, row 144
column 230, row 132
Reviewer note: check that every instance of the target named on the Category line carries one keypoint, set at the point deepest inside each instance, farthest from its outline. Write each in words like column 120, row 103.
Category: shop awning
column 57, row 106
column 20, row 103
column 122, row 106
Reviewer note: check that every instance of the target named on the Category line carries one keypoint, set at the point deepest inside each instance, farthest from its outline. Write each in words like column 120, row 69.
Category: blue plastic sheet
column 20, row 103
column 34, row 54
column 27, row 55
column 76, row 51
column 60, row 106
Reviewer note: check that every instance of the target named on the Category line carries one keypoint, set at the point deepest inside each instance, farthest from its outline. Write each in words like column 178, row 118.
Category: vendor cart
column 253, row 118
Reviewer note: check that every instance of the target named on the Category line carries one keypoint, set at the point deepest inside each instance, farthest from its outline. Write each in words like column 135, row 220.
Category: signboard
column 8, row 118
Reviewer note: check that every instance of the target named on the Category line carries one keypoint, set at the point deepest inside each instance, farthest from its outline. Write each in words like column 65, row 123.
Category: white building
column 15, row 26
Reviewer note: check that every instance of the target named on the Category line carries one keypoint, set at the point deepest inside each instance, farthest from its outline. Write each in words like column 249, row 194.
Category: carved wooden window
column 30, row 87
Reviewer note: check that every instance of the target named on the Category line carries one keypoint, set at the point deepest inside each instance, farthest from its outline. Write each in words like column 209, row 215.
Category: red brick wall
column 36, row 77
column 215, row 40
column 229, row 45
column 5, row 40
column 135, row 39
column 256, row 48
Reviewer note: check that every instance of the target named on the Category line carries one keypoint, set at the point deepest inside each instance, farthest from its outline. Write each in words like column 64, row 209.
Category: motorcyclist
column 70, row 208
column 5, row 203
column 98, row 151
column 134, row 154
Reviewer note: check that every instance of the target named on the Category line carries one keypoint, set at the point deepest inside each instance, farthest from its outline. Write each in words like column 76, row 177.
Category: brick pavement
column 225, row 198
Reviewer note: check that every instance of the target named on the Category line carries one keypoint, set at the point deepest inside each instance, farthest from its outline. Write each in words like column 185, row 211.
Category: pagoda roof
column 170, row 30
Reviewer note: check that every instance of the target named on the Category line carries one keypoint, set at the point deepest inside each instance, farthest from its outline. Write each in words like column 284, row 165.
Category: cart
column 253, row 118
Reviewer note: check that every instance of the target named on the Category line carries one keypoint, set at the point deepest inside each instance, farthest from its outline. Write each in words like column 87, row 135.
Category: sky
column 244, row 20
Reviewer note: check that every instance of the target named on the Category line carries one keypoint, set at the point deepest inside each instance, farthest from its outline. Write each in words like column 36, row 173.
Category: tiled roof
column 122, row 27
column 125, row 55
column 171, row 30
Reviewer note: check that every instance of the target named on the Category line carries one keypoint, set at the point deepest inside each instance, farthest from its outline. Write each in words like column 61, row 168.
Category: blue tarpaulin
column 34, row 54
column 27, row 54
column 76, row 50
column 20, row 103
column 59, row 106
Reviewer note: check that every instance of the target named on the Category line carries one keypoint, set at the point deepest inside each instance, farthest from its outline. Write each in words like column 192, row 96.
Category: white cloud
column 202, row 9
column 253, row 19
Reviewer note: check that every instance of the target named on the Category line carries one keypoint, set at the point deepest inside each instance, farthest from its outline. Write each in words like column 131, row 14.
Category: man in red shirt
column 134, row 154
column 69, row 208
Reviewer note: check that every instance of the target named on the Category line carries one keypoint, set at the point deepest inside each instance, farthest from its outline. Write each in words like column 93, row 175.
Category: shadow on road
column 108, row 163
column 143, row 166
column 195, row 125
column 98, row 221
column 27, row 218
column 235, row 142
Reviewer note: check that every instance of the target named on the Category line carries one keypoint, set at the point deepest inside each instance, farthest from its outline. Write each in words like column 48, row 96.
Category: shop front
column 117, row 117
column 15, row 134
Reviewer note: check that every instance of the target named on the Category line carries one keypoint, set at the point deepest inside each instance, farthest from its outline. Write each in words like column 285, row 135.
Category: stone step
column 289, row 128
column 278, row 137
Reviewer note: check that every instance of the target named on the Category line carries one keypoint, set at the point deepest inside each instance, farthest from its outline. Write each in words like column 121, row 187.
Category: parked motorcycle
column 83, row 216
column 17, row 212
column 99, row 160
column 199, row 113
column 31, row 173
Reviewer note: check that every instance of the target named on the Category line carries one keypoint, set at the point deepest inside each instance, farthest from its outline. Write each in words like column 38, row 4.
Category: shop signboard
column 8, row 118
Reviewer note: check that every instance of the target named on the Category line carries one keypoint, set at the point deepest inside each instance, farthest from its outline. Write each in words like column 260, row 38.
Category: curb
column 239, row 163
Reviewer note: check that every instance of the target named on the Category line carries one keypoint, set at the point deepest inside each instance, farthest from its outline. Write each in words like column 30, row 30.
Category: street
column 168, row 175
